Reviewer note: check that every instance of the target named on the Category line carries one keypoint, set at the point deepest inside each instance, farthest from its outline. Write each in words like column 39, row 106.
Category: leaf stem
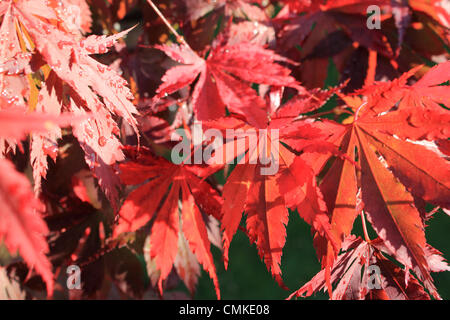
column 179, row 38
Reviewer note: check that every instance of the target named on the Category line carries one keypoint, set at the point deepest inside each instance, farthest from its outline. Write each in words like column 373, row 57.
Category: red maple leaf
column 68, row 80
column 362, row 272
column 265, row 196
column 21, row 226
column 182, row 183
column 394, row 171
column 225, row 78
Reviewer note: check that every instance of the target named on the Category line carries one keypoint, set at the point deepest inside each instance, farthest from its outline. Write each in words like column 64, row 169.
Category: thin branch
column 179, row 38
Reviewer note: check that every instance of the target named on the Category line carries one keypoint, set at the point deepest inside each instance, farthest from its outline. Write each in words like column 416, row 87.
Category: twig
column 179, row 38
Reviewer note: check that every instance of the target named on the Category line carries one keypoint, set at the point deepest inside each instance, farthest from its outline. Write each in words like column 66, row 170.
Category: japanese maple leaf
column 224, row 79
column 43, row 145
column 354, row 275
column 419, row 114
column 186, row 263
column 395, row 169
column 180, row 183
column 75, row 81
column 21, row 226
column 266, row 196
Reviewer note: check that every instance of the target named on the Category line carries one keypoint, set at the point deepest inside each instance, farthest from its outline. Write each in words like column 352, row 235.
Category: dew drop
column 101, row 48
column 102, row 141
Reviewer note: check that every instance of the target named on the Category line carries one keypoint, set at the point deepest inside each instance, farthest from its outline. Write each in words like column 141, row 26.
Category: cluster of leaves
column 362, row 117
